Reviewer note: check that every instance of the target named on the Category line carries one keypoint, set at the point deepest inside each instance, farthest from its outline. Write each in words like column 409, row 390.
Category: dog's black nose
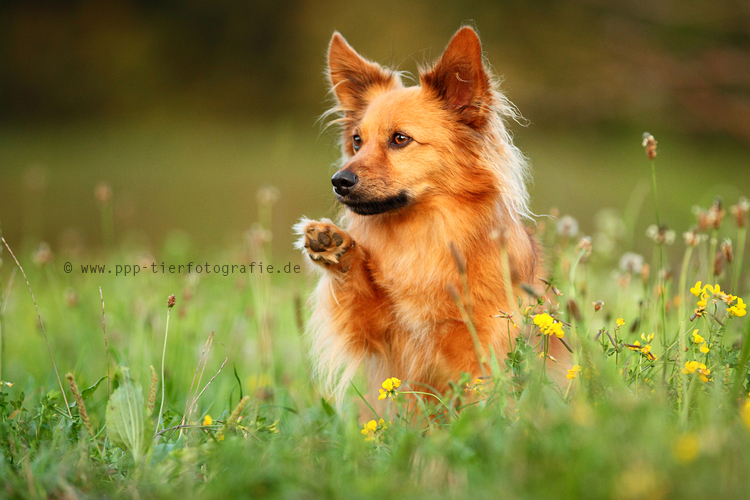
column 343, row 181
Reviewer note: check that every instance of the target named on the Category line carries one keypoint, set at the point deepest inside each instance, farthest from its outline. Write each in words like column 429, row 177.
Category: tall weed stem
column 160, row 422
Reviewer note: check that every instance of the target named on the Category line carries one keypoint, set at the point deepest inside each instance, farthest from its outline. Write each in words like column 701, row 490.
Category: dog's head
column 405, row 145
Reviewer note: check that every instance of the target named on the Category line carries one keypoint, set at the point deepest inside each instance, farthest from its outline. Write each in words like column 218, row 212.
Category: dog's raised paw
column 323, row 242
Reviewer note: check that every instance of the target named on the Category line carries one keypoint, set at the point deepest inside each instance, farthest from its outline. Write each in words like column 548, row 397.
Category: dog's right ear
column 354, row 79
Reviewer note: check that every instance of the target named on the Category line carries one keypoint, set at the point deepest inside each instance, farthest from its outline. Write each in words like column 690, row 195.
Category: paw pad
column 324, row 242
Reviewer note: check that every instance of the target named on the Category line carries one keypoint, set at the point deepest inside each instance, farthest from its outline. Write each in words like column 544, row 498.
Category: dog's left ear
column 354, row 79
column 459, row 78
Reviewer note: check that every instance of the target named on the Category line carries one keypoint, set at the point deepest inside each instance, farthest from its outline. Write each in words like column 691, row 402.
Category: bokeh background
column 184, row 109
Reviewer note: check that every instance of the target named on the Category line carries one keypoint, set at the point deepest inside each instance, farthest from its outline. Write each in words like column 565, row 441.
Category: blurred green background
column 185, row 109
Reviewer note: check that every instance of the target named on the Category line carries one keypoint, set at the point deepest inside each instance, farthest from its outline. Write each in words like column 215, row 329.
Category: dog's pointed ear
column 354, row 78
column 459, row 77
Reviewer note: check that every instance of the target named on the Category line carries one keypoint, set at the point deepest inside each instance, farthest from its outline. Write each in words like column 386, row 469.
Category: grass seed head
column 268, row 195
column 739, row 212
column 631, row 263
column 726, row 249
column 567, row 227
column 79, row 401
column 573, row 310
column 693, row 237
column 650, row 144
column 42, row 255
column 103, row 193
column 152, row 390
column 584, row 245
column 716, row 214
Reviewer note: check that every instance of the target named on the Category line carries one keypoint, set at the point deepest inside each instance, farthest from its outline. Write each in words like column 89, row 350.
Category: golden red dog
column 424, row 168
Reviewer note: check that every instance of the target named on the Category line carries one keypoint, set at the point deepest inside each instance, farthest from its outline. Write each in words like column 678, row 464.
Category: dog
column 435, row 202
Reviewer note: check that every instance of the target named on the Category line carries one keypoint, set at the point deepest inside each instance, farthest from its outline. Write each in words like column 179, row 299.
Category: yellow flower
column 636, row 346
column 686, row 448
column 712, row 290
column 745, row 413
column 389, row 388
column 643, row 349
column 620, row 322
column 371, row 428
column 646, row 351
column 739, row 309
column 690, row 367
column 696, row 290
column 704, row 348
column 543, row 320
column 696, row 367
column 697, row 339
column 573, row 372
column 548, row 325
column 207, row 420
column 649, row 338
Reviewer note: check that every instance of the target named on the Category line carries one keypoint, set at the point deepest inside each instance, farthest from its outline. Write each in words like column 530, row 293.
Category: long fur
column 384, row 301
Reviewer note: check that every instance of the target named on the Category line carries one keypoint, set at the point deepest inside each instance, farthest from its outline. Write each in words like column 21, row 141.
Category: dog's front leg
column 348, row 297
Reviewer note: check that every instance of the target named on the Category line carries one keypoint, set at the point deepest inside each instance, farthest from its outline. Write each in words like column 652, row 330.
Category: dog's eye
column 356, row 142
column 400, row 139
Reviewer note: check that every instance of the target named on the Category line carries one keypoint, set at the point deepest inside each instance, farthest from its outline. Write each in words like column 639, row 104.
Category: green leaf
column 88, row 392
column 128, row 423
column 239, row 382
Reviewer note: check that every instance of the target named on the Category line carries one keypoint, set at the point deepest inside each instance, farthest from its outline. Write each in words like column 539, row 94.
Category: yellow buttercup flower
column 207, row 420
column 643, row 349
column 686, row 448
column 696, row 367
column 371, row 428
column 543, row 320
column 739, row 309
column 573, row 372
column 646, row 351
column 636, row 346
column 697, row 339
column 712, row 290
column 620, row 322
column 745, row 413
column 389, row 388
column 548, row 326
column 690, row 367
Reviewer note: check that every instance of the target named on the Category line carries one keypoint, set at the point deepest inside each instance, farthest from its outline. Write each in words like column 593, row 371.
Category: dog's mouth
column 377, row 206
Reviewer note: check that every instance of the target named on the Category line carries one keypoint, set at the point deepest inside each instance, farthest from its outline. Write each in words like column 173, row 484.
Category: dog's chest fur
column 413, row 266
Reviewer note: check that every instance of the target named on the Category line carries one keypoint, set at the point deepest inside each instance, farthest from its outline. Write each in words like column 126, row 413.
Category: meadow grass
column 655, row 406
